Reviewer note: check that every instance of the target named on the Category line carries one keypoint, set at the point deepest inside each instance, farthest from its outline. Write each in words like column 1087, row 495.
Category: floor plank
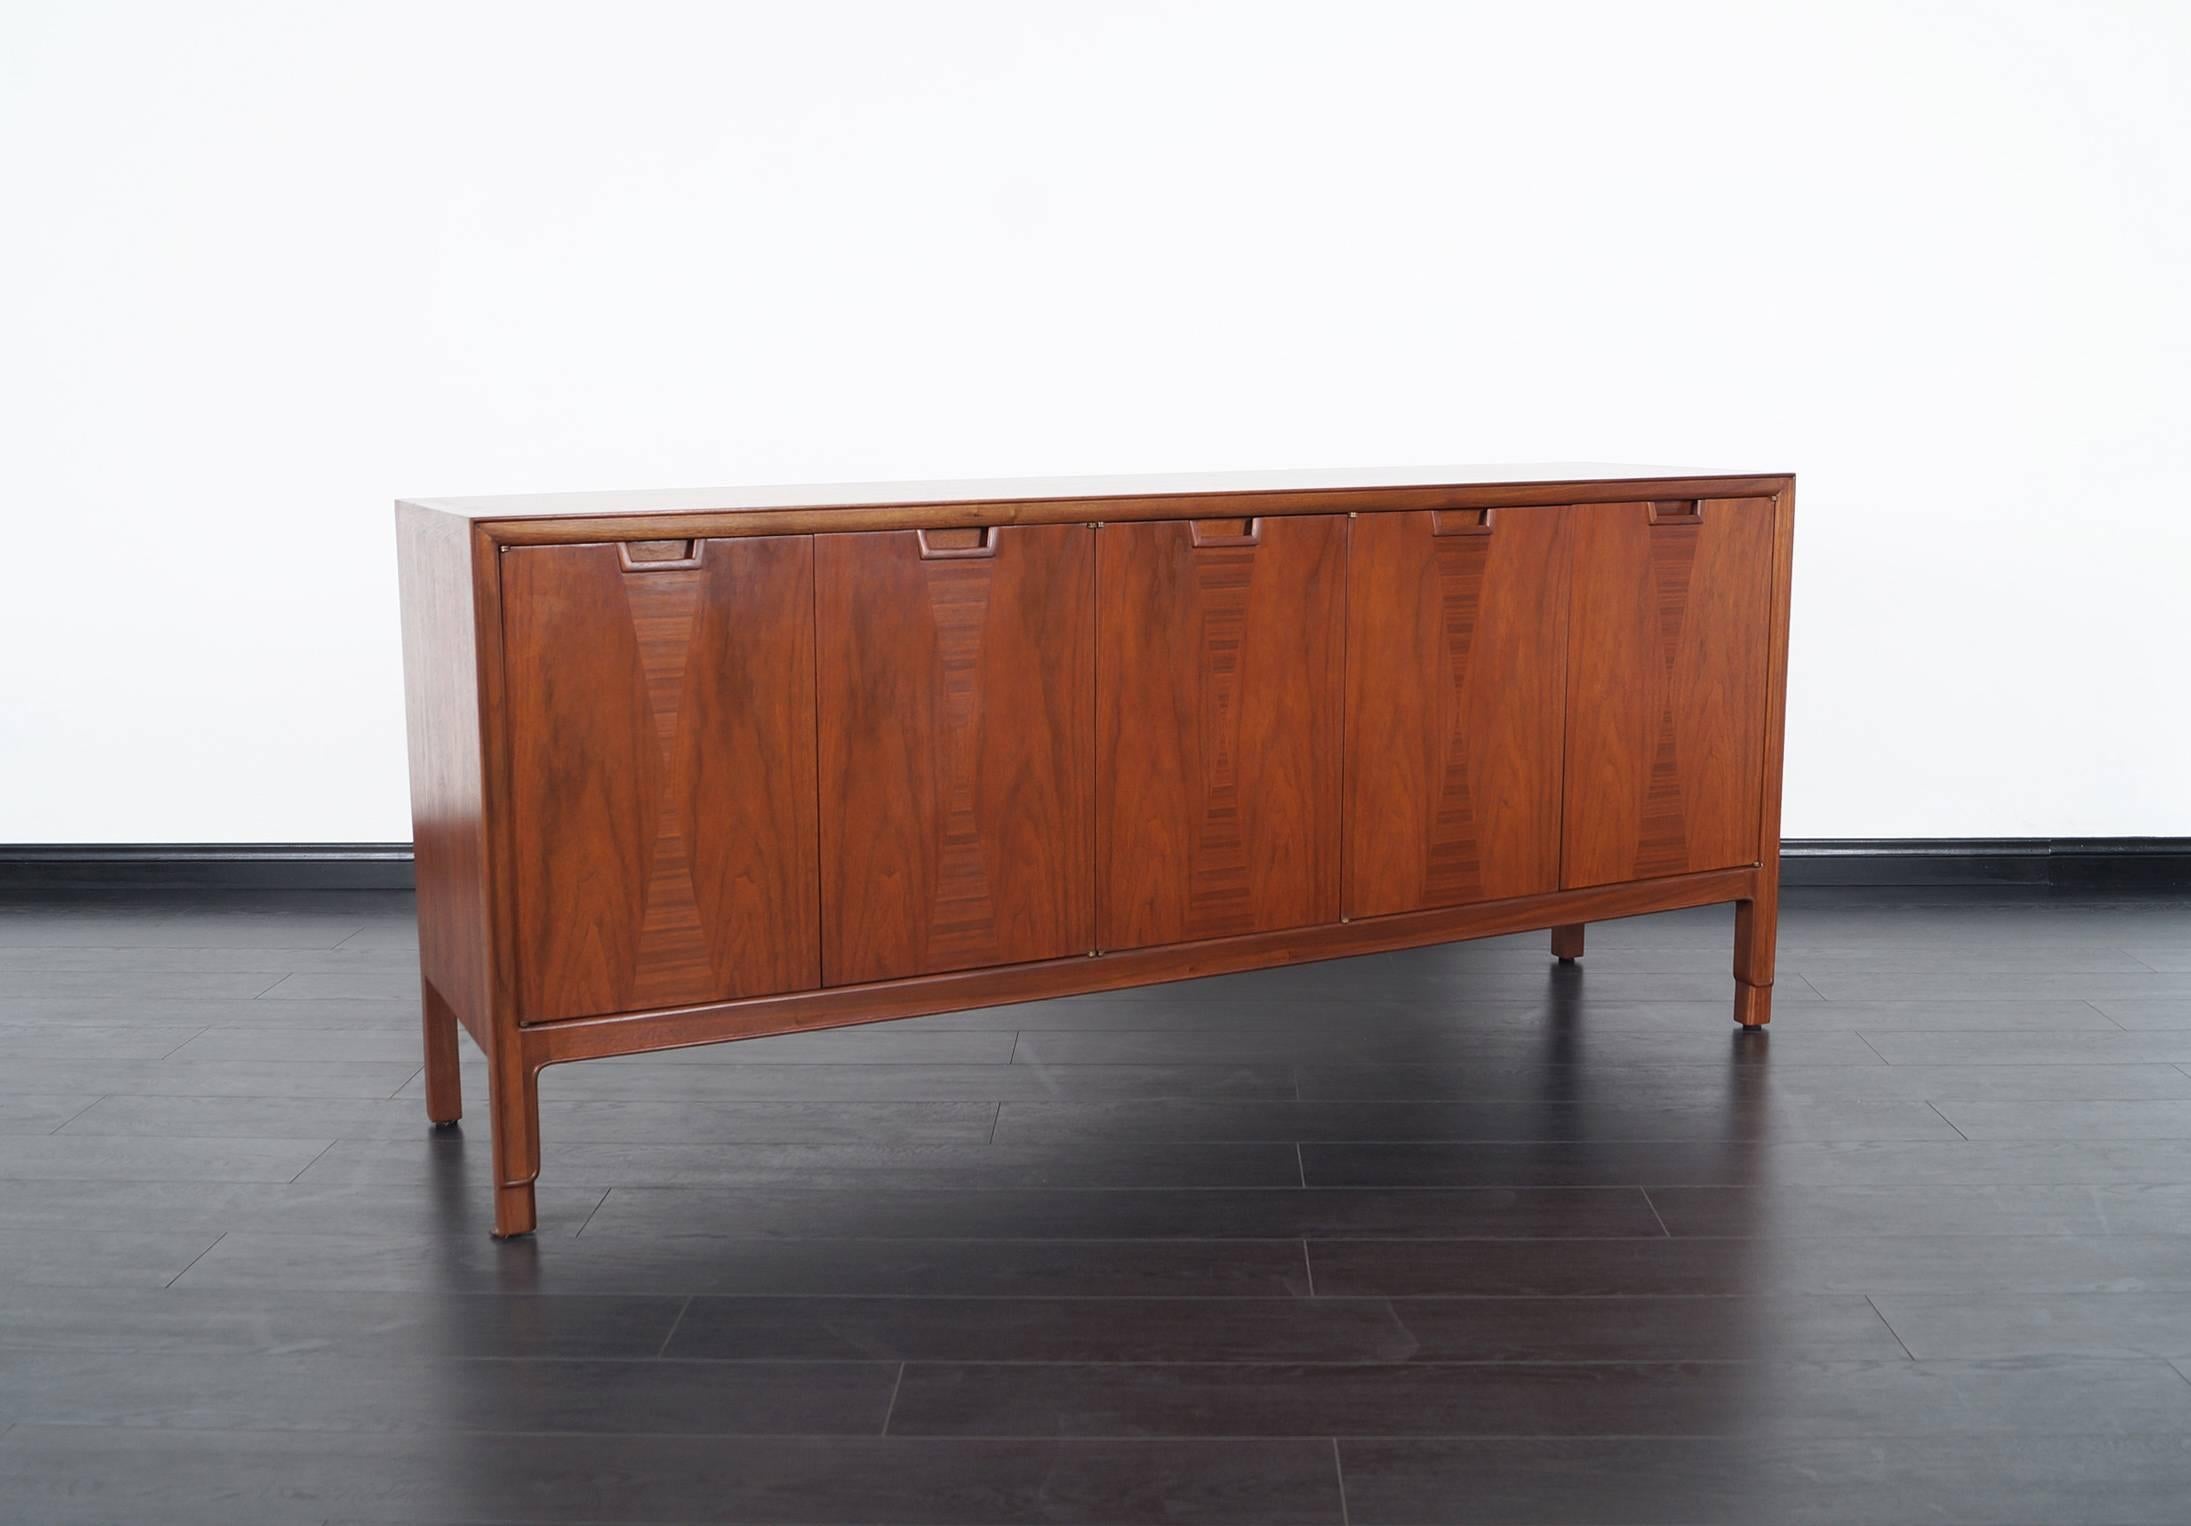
column 352, row 1391
column 967, row 1269
column 2114, row 1118
column 1608, row 1120
column 1998, row 1480
column 1745, row 1084
column 227, row 1320
column 1459, row 1044
column 1982, row 1209
column 1700, row 1267
column 876, row 1167
column 76, row 1158
column 302, row 1207
column 67, row 1257
column 1741, row 1162
column 698, row 1122
column 1787, row 1400
column 36, row 1113
column 364, row 1079
column 1214, row 1213
column 2150, row 1324
column 86, row 1474
column 1323, row 1329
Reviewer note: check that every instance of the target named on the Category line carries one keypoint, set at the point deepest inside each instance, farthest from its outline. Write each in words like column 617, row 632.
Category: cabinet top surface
column 868, row 495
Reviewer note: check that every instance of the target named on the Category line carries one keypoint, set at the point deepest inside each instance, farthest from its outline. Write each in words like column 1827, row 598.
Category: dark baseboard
column 2066, row 863
column 2063, row 863
column 206, row 866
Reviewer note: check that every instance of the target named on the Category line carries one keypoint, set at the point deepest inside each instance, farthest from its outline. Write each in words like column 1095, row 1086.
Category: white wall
column 268, row 267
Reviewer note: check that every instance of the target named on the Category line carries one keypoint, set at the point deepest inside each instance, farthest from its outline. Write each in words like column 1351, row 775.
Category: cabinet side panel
column 1220, row 671
column 1456, row 660
column 662, row 775
column 1776, row 680
column 1667, row 690
column 955, row 700
column 441, row 711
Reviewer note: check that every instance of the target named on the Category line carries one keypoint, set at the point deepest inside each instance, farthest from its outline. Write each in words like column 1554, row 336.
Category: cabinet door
column 661, row 734
column 1456, row 672
column 1666, row 688
column 1219, row 673
column 957, row 697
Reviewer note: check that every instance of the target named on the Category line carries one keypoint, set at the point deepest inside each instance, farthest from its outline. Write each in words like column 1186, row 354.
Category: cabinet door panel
column 957, row 697
column 661, row 726
column 1666, row 689
column 1219, row 683
column 1456, row 667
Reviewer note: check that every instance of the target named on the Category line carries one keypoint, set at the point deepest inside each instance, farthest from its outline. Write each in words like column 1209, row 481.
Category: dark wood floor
column 1443, row 1236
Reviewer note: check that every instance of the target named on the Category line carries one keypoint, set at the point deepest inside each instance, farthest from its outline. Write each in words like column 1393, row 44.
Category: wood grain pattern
column 441, row 690
column 441, row 705
column 1220, row 670
column 513, row 1112
column 953, row 991
column 444, row 1083
column 1757, row 920
column 663, row 776
column 1456, row 670
column 1667, row 691
column 957, row 797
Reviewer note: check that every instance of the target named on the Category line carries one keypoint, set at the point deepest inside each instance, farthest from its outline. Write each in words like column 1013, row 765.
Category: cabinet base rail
column 517, row 1055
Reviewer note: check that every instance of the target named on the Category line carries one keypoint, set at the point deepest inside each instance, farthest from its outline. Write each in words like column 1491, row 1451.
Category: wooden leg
column 1757, row 933
column 514, row 1087
column 444, row 1091
column 514, row 1212
column 1753, row 1005
column 1567, row 942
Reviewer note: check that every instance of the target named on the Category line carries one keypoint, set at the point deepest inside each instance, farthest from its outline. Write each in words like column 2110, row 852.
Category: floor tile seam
column 194, row 1260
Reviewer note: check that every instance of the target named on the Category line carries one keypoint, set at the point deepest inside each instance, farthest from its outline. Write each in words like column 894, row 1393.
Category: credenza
column 696, row 766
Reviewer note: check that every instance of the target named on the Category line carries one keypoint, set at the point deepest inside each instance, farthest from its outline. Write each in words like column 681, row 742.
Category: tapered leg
column 1567, row 942
column 515, row 1214
column 1757, row 932
column 515, row 1097
column 444, row 1091
column 1753, row 1005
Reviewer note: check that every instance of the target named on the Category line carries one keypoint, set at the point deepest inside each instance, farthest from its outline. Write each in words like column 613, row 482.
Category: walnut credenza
column 698, row 766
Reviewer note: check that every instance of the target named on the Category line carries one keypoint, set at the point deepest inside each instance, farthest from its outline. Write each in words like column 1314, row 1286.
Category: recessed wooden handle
column 1676, row 511
column 957, row 541
column 1461, row 521
column 659, row 555
column 1225, row 532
